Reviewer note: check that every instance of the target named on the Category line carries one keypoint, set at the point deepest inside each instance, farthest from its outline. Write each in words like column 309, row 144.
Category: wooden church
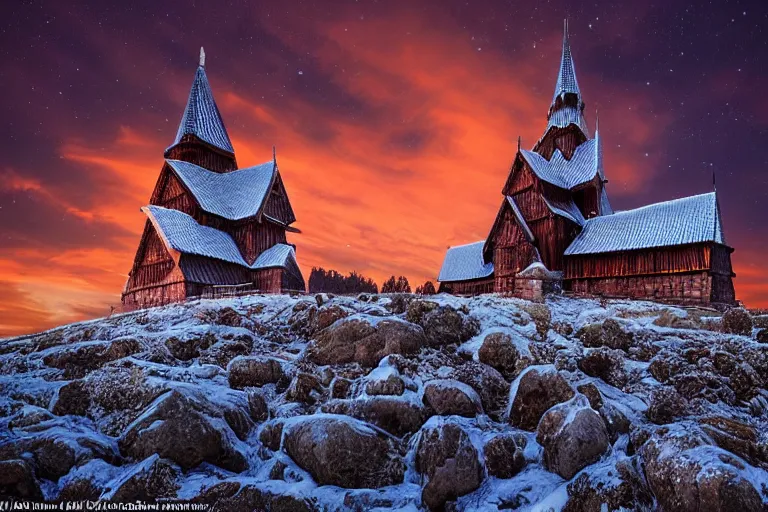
column 212, row 228
column 555, row 216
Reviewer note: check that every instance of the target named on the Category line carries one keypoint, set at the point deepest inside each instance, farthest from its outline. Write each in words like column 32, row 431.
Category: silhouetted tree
column 426, row 289
column 330, row 281
column 402, row 285
column 389, row 286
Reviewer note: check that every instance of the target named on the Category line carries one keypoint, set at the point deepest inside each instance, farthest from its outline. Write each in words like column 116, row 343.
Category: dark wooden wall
column 565, row 139
column 512, row 252
column 193, row 150
column 278, row 206
column 474, row 287
column 664, row 260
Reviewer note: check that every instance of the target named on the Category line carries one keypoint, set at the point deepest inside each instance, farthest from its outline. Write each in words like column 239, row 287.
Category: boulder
column 148, row 480
column 72, row 398
column 418, row 308
column 445, row 326
column 489, row 384
column 17, row 480
column 738, row 438
column 78, row 360
column 450, row 397
column 503, row 457
column 609, row 334
column 358, row 341
column 224, row 351
column 189, row 348
column 737, row 321
column 624, row 490
column 257, row 406
column 541, row 316
column 340, row 387
column 762, row 336
column 395, row 415
column 271, row 434
column 685, row 473
column 499, row 351
column 665, row 405
column 305, row 388
column 254, row 371
column 606, row 364
column 227, row 496
column 341, row 451
column 28, row 416
column 391, row 385
column 445, row 454
column 674, row 320
column 573, row 436
column 183, row 429
column 533, row 393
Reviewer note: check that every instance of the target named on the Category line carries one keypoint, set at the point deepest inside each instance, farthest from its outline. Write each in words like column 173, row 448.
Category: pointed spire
column 566, row 79
column 274, row 154
column 201, row 116
column 519, row 142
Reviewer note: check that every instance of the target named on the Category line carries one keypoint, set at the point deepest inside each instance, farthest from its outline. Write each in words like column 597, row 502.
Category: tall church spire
column 566, row 79
column 201, row 116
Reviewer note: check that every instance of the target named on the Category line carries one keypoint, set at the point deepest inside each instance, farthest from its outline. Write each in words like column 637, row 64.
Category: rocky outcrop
column 534, row 392
column 447, row 457
column 150, row 480
column 183, row 429
column 737, row 321
column 606, row 364
column 337, row 450
column 76, row 361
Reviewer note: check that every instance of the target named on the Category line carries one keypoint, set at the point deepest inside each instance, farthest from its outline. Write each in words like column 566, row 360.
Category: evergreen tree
column 426, row 289
column 389, row 286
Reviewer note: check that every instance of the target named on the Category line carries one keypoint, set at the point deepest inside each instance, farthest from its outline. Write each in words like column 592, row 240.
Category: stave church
column 211, row 228
column 555, row 228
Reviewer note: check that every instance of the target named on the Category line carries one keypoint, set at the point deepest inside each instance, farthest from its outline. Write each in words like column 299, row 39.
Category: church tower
column 202, row 138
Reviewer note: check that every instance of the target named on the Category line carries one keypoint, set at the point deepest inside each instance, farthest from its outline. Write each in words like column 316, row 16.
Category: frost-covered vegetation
column 393, row 402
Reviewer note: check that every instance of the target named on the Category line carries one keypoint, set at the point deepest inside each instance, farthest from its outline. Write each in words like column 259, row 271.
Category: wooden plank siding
column 471, row 287
column 565, row 139
column 192, row 149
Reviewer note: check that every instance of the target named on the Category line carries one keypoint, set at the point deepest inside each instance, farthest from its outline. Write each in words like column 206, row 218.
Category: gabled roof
column 688, row 220
column 182, row 233
column 567, row 209
column 521, row 220
column 202, row 117
column 233, row 195
column 566, row 78
column 567, row 115
column 563, row 173
column 465, row 262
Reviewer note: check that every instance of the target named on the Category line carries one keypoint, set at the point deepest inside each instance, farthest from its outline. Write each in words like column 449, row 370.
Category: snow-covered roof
column 202, row 117
column 605, row 204
column 563, row 173
column 687, row 220
column 276, row 256
column 182, row 233
column 566, row 78
column 567, row 209
column 464, row 262
column 233, row 195
column 568, row 115
column 521, row 220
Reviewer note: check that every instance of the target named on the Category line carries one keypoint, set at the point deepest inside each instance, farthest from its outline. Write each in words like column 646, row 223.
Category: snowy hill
column 393, row 402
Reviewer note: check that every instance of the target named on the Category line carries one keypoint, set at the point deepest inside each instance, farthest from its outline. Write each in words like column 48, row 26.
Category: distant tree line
column 399, row 285
column 330, row 281
column 426, row 289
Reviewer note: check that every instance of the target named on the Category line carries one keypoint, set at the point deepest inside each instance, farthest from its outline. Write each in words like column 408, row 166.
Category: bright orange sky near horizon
column 394, row 130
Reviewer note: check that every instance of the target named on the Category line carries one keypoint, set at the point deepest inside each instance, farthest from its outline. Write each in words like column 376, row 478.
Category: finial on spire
column 202, row 57
column 519, row 142
column 274, row 154
column 714, row 185
column 565, row 29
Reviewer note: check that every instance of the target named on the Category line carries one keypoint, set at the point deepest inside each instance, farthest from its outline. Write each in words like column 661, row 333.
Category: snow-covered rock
column 393, row 403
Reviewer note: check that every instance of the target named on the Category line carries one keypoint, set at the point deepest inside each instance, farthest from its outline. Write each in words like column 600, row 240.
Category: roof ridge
column 646, row 206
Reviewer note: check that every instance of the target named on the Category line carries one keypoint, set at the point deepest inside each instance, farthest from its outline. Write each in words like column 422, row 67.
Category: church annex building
column 555, row 223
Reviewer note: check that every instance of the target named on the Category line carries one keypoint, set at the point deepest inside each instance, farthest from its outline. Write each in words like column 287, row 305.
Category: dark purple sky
column 395, row 123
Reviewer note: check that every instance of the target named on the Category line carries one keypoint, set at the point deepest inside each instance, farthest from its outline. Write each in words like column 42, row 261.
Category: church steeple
column 202, row 120
column 566, row 110
column 566, row 79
